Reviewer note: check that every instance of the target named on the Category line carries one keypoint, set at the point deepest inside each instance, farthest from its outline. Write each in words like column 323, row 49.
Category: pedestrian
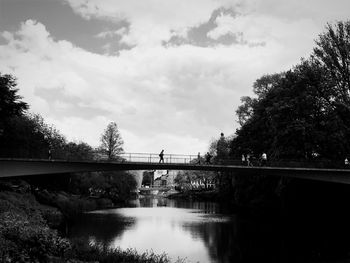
column 249, row 160
column 263, row 159
column 207, row 158
column 161, row 157
column 49, row 156
column 243, row 159
column 346, row 162
column 199, row 158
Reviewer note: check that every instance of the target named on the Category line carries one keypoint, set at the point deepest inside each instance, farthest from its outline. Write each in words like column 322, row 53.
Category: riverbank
column 29, row 224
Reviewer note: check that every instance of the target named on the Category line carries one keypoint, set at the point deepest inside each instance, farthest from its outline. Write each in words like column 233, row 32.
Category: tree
column 295, row 118
column 245, row 110
column 333, row 52
column 111, row 141
column 79, row 151
column 54, row 139
column 264, row 84
column 261, row 88
column 10, row 102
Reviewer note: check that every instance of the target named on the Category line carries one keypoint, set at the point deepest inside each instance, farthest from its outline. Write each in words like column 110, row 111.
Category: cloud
column 112, row 33
column 166, row 94
column 172, row 97
column 151, row 22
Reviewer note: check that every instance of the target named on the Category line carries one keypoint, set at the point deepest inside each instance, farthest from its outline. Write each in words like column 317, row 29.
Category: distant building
column 157, row 182
column 202, row 184
column 165, row 179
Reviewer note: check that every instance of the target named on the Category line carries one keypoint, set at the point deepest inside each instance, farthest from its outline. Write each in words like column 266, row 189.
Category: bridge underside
column 10, row 168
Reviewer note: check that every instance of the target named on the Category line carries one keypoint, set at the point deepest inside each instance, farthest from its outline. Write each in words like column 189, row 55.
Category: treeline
column 303, row 113
column 27, row 135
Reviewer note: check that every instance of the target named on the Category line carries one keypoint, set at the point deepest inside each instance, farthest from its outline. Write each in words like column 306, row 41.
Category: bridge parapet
column 154, row 158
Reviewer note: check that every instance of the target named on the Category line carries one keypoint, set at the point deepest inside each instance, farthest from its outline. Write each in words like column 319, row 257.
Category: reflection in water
column 198, row 231
column 192, row 230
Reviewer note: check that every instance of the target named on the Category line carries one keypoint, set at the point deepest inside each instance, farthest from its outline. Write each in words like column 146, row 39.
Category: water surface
column 197, row 231
column 207, row 232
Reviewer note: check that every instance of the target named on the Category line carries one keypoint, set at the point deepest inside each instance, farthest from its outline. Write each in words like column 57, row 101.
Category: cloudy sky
column 170, row 73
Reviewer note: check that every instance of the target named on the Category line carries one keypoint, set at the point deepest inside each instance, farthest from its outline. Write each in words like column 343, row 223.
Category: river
column 195, row 231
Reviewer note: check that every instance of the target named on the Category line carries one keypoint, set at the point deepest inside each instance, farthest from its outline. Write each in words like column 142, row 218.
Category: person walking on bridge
column 199, row 158
column 161, row 157
column 207, row 158
column 263, row 159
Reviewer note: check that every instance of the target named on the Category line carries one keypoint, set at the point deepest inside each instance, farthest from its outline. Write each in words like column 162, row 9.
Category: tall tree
column 245, row 110
column 294, row 118
column 333, row 52
column 10, row 102
column 111, row 141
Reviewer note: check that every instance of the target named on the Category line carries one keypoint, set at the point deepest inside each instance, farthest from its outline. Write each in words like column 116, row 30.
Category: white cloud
column 154, row 21
column 112, row 33
column 150, row 21
column 255, row 28
column 176, row 97
column 226, row 24
column 173, row 98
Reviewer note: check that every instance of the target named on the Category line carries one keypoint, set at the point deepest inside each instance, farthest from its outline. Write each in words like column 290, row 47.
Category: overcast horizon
column 169, row 73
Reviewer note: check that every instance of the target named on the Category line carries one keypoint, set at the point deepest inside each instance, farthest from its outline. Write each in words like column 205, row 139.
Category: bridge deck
column 25, row 167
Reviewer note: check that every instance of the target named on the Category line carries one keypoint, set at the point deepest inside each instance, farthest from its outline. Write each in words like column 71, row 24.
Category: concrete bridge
column 11, row 168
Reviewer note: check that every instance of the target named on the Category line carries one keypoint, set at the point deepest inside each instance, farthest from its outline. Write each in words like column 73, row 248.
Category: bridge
column 11, row 168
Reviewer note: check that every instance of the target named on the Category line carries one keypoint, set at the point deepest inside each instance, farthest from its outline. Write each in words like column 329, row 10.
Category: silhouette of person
column 161, row 157
column 249, row 160
column 199, row 158
column 263, row 159
column 207, row 158
column 243, row 159
column 49, row 155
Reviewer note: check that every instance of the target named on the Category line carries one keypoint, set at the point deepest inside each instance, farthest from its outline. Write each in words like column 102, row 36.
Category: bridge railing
column 154, row 158
column 193, row 159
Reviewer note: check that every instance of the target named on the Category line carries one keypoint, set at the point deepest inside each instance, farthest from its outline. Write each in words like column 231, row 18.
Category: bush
column 24, row 238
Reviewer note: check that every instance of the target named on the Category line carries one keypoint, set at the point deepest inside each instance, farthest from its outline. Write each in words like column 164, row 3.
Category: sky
column 170, row 73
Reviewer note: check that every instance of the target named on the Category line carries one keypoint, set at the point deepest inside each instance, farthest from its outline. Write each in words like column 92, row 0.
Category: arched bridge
column 130, row 161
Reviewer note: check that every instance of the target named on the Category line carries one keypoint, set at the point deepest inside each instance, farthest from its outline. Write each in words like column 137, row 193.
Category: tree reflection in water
column 225, row 237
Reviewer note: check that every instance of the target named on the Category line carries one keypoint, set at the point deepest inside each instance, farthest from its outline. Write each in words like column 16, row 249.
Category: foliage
column 111, row 141
column 117, row 185
column 29, row 136
column 78, row 151
column 10, row 102
column 24, row 234
column 245, row 110
column 333, row 53
column 29, row 239
column 108, row 255
column 302, row 113
column 52, row 136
